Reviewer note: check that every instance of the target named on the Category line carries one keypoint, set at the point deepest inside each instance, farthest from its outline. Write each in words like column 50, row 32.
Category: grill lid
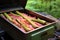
column 8, row 4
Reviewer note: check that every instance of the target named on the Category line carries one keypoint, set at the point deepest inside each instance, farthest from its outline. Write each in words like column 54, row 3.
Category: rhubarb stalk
column 23, row 25
column 31, row 22
column 8, row 17
column 39, row 20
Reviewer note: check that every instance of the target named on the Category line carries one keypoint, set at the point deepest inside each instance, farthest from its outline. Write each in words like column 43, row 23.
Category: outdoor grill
column 14, row 31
